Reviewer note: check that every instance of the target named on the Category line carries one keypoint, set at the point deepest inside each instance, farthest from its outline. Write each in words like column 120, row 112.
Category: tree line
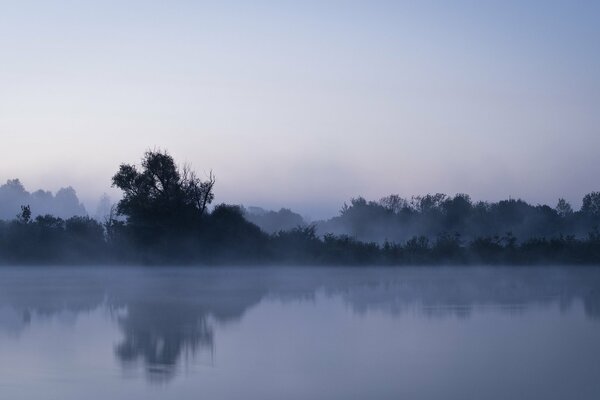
column 396, row 219
column 164, row 218
column 63, row 204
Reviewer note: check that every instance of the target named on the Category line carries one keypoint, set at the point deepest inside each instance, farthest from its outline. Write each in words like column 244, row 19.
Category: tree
column 457, row 210
column 12, row 196
column 428, row 203
column 591, row 204
column 160, row 195
column 25, row 215
column 563, row 208
column 394, row 203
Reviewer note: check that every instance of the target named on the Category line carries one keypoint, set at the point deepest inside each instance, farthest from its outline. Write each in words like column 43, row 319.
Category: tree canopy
column 160, row 195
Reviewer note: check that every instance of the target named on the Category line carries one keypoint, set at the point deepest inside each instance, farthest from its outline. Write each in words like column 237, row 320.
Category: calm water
column 299, row 333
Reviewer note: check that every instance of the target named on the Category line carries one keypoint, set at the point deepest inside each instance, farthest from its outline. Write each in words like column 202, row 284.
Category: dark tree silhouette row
column 395, row 219
column 164, row 218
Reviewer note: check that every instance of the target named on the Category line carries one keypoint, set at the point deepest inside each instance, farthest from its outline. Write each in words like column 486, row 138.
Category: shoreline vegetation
column 164, row 218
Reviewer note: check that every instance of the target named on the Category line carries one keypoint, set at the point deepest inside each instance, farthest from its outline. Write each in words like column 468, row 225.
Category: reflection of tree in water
column 168, row 313
column 591, row 303
column 439, row 292
column 172, row 316
column 157, row 334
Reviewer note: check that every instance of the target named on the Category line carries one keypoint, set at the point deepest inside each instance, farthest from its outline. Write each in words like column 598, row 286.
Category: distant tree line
column 63, row 204
column 164, row 218
column 274, row 221
column 396, row 219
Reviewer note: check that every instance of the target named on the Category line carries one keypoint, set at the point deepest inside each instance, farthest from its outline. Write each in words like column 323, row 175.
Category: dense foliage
column 395, row 219
column 163, row 218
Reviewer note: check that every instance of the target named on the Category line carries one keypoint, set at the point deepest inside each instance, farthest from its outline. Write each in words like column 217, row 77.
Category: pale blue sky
column 306, row 104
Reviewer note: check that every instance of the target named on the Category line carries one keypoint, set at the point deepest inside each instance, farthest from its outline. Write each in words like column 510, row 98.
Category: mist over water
column 322, row 333
column 312, row 200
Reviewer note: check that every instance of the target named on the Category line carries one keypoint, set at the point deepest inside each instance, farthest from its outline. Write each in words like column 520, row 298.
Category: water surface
column 299, row 333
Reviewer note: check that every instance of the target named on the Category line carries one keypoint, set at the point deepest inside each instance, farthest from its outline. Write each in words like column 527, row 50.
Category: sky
column 306, row 104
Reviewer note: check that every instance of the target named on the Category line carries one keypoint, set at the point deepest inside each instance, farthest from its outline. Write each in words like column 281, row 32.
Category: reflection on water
column 168, row 313
column 165, row 317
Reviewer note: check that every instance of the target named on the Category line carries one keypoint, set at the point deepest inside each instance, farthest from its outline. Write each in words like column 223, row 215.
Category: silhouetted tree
column 228, row 236
column 394, row 203
column 159, row 197
column 563, row 208
column 457, row 211
column 591, row 204
column 25, row 215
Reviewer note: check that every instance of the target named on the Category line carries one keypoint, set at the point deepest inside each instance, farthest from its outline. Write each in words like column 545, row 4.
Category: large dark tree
column 160, row 196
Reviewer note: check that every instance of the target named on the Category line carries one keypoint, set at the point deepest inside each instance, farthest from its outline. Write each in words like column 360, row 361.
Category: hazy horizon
column 305, row 105
column 99, row 207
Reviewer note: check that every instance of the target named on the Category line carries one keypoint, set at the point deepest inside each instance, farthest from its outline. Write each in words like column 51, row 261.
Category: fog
column 396, row 219
column 274, row 221
column 304, row 104
column 299, row 200
column 63, row 204
column 214, row 329
column 165, row 216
